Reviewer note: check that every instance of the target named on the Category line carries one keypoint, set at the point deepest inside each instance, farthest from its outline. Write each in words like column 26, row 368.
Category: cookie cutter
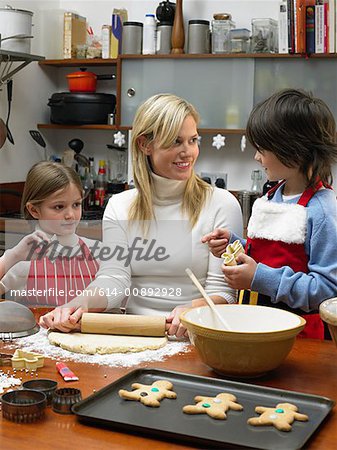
column 27, row 360
column 64, row 399
column 23, row 406
column 5, row 359
column 44, row 385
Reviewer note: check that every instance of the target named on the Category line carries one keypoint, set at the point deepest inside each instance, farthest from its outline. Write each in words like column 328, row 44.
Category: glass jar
column 221, row 42
column 264, row 36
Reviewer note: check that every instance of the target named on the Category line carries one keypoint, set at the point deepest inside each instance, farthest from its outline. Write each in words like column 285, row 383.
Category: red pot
column 82, row 81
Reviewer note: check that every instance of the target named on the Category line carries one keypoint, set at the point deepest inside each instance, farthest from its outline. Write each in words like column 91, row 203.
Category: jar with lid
column 132, row 38
column 264, row 36
column 164, row 32
column 198, row 36
column 221, row 27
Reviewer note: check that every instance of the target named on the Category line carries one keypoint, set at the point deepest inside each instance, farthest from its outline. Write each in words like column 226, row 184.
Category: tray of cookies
column 205, row 411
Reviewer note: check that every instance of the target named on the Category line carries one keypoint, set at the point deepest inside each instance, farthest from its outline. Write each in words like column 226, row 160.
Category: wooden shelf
column 77, row 62
column 78, row 127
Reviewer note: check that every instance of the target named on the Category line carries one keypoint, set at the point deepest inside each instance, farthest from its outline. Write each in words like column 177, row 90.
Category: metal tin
column 198, row 36
column 132, row 37
column 164, row 32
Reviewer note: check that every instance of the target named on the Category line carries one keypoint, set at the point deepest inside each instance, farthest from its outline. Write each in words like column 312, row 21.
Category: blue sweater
column 306, row 290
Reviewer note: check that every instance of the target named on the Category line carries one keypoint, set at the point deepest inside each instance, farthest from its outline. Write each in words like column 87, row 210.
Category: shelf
column 7, row 57
column 78, row 127
column 77, row 62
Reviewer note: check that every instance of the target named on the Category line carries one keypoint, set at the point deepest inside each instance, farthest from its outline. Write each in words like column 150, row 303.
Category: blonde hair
column 45, row 178
column 159, row 119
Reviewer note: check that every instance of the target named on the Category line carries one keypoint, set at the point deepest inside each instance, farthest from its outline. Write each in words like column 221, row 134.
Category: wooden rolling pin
column 123, row 324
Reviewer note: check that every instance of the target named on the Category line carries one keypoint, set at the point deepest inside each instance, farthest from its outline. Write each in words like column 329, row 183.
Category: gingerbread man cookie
column 280, row 417
column 149, row 395
column 215, row 407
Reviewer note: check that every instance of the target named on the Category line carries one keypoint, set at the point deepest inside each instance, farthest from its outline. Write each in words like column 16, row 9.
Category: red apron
column 54, row 283
column 276, row 254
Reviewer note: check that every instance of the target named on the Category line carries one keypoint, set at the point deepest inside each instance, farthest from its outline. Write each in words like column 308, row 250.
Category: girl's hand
column 63, row 318
column 240, row 276
column 217, row 240
column 173, row 325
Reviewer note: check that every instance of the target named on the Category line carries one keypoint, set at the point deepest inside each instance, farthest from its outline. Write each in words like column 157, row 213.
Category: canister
column 132, row 37
column 198, row 36
column 221, row 38
column 164, row 32
column 264, row 36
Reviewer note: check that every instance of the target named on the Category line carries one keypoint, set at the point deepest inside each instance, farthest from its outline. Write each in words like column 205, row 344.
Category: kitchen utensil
column 9, row 99
column 84, row 81
column 259, row 340
column 81, row 108
column 124, row 324
column 3, row 133
column 16, row 321
column 37, row 136
column 328, row 313
column 76, row 145
column 165, row 11
column 64, row 399
column 44, row 385
column 105, row 408
column 207, row 298
column 24, row 406
column 16, row 25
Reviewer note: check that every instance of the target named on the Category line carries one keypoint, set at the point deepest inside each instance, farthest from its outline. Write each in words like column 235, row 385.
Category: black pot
column 68, row 108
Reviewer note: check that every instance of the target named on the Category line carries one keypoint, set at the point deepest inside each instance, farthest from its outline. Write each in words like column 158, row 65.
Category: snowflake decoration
column 243, row 143
column 119, row 139
column 218, row 141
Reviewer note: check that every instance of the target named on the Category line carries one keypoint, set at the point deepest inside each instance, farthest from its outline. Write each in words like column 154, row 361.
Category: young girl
column 293, row 229
column 58, row 272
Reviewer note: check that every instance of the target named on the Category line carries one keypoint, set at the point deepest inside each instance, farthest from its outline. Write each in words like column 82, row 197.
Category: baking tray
column 106, row 408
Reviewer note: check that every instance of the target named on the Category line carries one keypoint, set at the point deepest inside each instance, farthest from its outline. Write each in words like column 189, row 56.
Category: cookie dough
column 149, row 395
column 102, row 344
column 215, row 407
column 280, row 417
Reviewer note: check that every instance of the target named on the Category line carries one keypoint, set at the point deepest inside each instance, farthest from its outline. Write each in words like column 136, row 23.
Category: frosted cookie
column 149, row 395
column 215, row 407
column 280, row 417
column 232, row 252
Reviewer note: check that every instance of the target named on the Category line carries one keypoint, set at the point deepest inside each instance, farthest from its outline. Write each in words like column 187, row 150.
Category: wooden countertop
column 311, row 368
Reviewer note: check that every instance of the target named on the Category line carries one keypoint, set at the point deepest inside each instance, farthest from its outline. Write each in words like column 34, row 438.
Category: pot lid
column 82, row 74
column 10, row 9
column 16, row 321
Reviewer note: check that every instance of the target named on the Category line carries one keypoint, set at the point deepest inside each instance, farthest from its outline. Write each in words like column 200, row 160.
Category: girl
column 292, row 231
column 159, row 224
column 52, row 199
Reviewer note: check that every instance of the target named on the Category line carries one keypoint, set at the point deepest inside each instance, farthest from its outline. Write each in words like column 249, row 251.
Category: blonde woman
column 154, row 232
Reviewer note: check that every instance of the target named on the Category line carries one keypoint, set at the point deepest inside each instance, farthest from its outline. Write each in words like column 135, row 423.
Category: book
column 332, row 25
column 310, row 29
column 300, row 26
column 291, row 27
column 74, row 33
column 106, row 41
column 319, row 28
column 283, row 45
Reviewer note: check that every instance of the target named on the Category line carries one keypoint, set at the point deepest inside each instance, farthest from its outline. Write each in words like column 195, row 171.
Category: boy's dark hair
column 299, row 129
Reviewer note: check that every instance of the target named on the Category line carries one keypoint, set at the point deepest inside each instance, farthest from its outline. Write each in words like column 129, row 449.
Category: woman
column 152, row 233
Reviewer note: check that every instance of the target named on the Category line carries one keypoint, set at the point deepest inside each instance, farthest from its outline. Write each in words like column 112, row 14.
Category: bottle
column 101, row 184
column 88, row 187
column 149, row 35
column 256, row 184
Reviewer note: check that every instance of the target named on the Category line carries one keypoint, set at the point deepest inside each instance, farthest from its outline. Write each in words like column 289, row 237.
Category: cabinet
column 223, row 87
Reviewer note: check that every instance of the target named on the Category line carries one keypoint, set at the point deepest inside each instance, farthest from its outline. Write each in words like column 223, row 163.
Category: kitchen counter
column 311, row 368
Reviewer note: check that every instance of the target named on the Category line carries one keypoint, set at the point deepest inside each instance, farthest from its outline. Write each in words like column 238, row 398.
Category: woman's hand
column 173, row 325
column 63, row 319
column 217, row 240
column 240, row 276
column 26, row 247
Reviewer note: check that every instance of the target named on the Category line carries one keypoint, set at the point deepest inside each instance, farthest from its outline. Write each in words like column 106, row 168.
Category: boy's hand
column 217, row 240
column 240, row 276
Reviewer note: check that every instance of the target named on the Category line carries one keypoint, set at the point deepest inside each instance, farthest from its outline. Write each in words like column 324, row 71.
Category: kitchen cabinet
column 223, row 87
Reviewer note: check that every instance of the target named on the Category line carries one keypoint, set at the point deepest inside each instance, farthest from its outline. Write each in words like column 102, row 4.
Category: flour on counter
column 39, row 343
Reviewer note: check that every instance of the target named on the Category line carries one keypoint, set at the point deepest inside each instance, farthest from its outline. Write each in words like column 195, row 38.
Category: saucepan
column 84, row 81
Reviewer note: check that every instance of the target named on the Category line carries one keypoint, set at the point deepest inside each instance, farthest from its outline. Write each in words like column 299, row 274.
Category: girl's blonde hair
column 45, row 178
column 159, row 119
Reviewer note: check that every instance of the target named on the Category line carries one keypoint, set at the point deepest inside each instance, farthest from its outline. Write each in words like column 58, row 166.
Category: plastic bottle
column 257, row 181
column 101, row 184
column 149, row 35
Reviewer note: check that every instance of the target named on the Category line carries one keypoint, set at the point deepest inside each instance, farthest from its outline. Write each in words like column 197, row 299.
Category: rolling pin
column 131, row 325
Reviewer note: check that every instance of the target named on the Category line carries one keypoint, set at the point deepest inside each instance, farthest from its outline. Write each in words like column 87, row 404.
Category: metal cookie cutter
column 5, row 359
column 27, row 360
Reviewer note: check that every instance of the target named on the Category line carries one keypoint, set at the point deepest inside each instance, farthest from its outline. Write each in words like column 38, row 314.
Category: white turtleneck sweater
column 154, row 278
